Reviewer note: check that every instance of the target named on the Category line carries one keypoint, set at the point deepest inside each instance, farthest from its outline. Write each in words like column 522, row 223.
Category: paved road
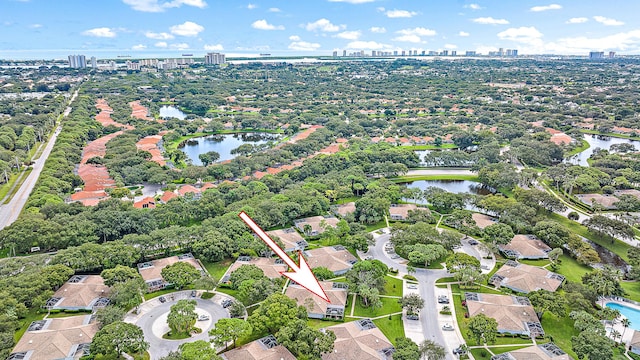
column 10, row 212
column 153, row 322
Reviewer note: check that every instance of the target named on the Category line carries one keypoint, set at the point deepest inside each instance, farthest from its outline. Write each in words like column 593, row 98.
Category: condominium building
column 214, row 59
column 77, row 61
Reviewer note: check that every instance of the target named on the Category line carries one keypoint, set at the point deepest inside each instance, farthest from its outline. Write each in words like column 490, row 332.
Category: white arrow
column 302, row 274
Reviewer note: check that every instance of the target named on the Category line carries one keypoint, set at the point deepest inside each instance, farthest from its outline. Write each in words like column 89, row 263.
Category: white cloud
column 104, row 32
column 414, row 35
column 608, row 21
column 473, row 7
column 490, row 21
column 304, row 46
column 450, row 46
column 294, row 38
column 188, row 28
column 349, row 35
column 546, row 7
column 139, row 47
column 367, row 45
column 463, row 34
column 274, row 10
column 161, row 44
column 158, row 36
column 353, row 1
column 157, row 6
column 324, row 25
column 378, row 30
column 400, row 13
column 216, row 47
column 180, row 46
column 522, row 34
column 264, row 25
column 252, row 6
column 577, row 20
column 408, row 38
column 35, row 26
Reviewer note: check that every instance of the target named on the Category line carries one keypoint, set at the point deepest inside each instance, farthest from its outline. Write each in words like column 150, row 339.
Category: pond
column 454, row 186
column 222, row 144
column 596, row 141
column 172, row 112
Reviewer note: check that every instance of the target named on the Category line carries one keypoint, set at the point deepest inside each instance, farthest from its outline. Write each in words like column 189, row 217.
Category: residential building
column 514, row 314
column 148, row 62
column 166, row 196
column 318, row 308
column 525, row 247
column 58, row 338
column 526, row 278
column 266, row 348
column 634, row 344
column 214, row 58
column 345, row 209
column 344, row 53
column 94, row 62
column 360, row 339
column 80, row 292
column 594, row 55
column 77, row 61
column 133, row 66
column 291, row 239
column 146, row 203
column 470, row 53
column 548, row 351
column 612, row 54
column 271, row 267
column 400, row 212
column 454, row 53
column 151, row 271
column 335, row 258
column 335, row 54
column 316, row 224
column 606, row 201
column 482, row 220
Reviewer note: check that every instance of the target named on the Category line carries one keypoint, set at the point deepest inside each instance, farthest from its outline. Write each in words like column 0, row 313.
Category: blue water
column 629, row 313
column 171, row 112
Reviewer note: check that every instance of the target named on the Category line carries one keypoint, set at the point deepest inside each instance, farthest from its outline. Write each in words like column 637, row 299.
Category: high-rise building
column 335, row 53
column 612, row 54
column 470, row 53
column 344, row 53
column 94, row 62
column 596, row 55
column 514, row 52
column 404, row 53
column 454, row 53
column 77, row 61
column 445, row 53
column 501, row 52
column 213, row 59
column 135, row 66
column 395, row 53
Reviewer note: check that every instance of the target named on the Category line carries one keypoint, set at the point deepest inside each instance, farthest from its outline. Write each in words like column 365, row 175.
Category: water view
column 598, row 142
column 454, row 186
column 167, row 111
column 223, row 144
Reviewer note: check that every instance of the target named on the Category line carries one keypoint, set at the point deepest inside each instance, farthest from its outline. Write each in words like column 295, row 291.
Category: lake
column 172, row 112
column 454, row 186
column 223, row 144
column 598, row 142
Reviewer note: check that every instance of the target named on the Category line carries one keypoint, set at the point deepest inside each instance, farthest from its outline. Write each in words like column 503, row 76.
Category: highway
column 10, row 212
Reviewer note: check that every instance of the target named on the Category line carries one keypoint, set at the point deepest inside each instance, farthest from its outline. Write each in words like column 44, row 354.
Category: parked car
column 443, row 299
column 413, row 317
column 226, row 303
column 203, row 318
column 447, row 327
column 459, row 351
column 473, row 242
column 162, row 299
column 193, row 293
column 412, row 286
column 368, row 257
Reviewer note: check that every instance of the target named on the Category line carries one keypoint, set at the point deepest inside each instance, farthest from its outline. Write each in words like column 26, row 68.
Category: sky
column 47, row 29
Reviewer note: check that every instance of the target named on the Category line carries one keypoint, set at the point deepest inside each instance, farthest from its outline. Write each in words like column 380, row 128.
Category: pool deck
column 628, row 334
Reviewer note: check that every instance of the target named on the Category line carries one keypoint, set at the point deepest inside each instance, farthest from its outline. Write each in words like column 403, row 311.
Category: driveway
column 153, row 321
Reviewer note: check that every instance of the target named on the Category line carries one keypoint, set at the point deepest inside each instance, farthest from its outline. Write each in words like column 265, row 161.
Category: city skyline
column 143, row 28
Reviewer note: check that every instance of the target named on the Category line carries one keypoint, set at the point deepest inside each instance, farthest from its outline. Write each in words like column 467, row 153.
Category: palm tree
column 625, row 323
column 615, row 334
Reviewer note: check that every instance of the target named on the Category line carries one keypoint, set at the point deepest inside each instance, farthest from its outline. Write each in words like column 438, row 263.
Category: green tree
column 406, row 349
column 322, row 273
column 412, row 303
column 180, row 274
column 119, row 337
column 227, row 330
column 182, row 317
column 243, row 273
column 119, row 274
column 207, row 283
column 128, row 294
column 275, row 312
column 592, row 346
column 547, row 301
column 430, row 350
column 305, row 342
column 109, row 314
column 198, row 350
column 483, row 329
column 498, row 233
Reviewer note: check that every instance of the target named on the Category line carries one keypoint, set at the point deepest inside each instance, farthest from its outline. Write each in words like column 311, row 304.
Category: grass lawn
column 480, row 354
column 228, row 291
column 177, row 336
column 389, row 306
column 617, row 246
column 502, row 350
column 376, row 226
column 155, row 294
column 319, row 324
column 32, row 315
column 217, row 269
column 455, row 289
column 392, row 329
column 571, row 269
column 539, row 263
column 632, row 289
column 623, row 136
column 584, row 145
column 393, row 287
column 441, row 286
column 4, row 190
column 446, row 280
column 560, row 329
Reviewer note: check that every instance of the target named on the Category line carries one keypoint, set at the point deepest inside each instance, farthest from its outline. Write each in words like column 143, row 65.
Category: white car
column 412, row 286
column 447, row 327
column 203, row 317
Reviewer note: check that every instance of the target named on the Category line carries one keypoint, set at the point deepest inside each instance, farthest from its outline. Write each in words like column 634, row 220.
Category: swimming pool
column 628, row 312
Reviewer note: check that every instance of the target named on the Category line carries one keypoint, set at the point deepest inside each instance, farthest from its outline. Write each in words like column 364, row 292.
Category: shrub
column 207, row 295
column 410, row 277
column 573, row 216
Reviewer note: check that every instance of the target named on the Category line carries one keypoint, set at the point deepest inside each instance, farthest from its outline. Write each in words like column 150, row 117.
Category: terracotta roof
column 289, row 237
column 313, row 303
column 148, row 201
column 403, row 209
column 334, row 258
column 315, row 221
column 548, row 351
column 510, row 314
column 81, row 294
column 185, row 189
column 354, row 341
column 269, row 267
column 560, row 139
column 345, row 209
column 154, row 271
column 482, row 220
column 607, row 201
column 526, row 278
column 150, row 144
column 168, row 195
column 256, row 350
column 527, row 246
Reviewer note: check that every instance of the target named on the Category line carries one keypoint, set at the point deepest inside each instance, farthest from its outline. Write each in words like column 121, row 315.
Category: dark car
column 443, row 299
column 226, row 303
column 473, row 242
column 162, row 299
column 413, row 317
column 459, row 351
column 193, row 293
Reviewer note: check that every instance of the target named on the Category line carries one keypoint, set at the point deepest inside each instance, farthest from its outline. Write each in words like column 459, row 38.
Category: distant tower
column 94, row 63
column 77, row 61
column 214, row 59
column 335, row 53
column 612, row 54
column 344, row 53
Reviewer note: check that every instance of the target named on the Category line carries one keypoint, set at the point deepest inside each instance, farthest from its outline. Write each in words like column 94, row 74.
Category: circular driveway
column 153, row 322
